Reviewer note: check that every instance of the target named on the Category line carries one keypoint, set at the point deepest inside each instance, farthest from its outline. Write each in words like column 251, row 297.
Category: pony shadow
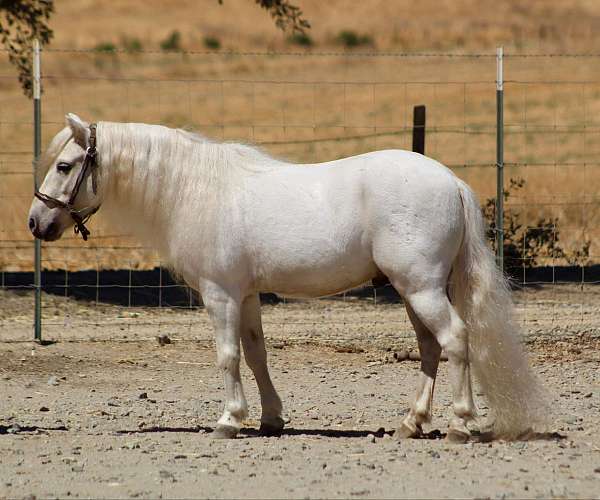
column 158, row 429
column 339, row 433
column 331, row 433
column 249, row 432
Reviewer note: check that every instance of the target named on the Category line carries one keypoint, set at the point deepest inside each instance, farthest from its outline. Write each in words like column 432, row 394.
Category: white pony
column 233, row 222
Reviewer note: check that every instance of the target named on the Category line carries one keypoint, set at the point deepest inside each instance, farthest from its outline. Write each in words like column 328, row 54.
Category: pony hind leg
column 430, row 350
column 253, row 343
column 437, row 314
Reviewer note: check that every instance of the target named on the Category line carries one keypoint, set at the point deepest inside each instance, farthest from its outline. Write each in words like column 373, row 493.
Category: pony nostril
column 31, row 223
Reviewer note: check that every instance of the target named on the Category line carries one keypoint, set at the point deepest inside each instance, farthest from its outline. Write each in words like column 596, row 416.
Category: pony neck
column 161, row 183
column 145, row 187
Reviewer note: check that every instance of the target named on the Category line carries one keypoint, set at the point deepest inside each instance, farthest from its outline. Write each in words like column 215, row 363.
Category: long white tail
column 481, row 295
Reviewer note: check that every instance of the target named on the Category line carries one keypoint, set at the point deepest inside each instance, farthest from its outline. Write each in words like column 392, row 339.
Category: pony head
column 68, row 194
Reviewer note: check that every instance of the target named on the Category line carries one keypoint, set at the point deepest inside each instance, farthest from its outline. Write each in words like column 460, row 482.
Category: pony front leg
column 253, row 342
column 224, row 309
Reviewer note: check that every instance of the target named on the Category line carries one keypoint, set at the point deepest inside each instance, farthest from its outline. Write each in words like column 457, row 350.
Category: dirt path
column 75, row 421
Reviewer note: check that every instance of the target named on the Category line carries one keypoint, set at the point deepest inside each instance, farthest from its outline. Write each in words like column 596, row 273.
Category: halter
column 83, row 215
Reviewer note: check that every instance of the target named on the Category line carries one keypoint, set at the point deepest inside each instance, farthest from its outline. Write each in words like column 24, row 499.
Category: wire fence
column 310, row 108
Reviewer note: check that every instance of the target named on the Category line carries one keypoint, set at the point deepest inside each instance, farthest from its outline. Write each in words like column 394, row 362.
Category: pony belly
column 317, row 282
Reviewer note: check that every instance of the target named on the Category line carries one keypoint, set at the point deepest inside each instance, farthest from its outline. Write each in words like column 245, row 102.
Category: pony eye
column 64, row 167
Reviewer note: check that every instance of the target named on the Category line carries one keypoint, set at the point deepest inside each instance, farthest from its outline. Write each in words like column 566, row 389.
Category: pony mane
column 171, row 178
column 182, row 149
column 249, row 154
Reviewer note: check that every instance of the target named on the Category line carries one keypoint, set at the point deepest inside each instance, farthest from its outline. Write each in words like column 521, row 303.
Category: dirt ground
column 101, row 415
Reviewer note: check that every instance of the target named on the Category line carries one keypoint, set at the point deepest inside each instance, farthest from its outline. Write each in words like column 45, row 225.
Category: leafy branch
column 21, row 22
column 286, row 15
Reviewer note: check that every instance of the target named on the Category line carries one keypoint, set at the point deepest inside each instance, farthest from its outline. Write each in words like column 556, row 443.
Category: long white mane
column 171, row 176
column 182, row 150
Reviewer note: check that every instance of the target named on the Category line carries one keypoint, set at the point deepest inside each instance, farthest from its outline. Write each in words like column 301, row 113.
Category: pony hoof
column 405, row 431
column 225, row 432
column 455, row 436
column 272, row 428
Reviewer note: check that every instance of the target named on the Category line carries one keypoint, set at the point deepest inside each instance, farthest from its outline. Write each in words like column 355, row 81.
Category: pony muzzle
column 48, row 232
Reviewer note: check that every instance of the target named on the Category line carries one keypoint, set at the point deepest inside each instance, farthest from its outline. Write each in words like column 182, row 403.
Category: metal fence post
column 500, row 158
column 37, row 146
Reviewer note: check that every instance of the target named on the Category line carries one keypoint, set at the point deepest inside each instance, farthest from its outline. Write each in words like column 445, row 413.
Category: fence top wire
column 310, row 53
column 265, row 81
column 313, row 54
column 226, row 53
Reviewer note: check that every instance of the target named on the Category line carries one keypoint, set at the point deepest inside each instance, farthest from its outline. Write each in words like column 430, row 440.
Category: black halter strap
column 80, row 217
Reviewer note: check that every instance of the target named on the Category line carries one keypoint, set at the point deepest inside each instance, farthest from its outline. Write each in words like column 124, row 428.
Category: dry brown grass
column 552, row 128
column 392, row 24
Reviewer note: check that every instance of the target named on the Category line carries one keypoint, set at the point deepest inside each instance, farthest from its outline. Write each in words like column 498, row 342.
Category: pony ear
column 79, row 129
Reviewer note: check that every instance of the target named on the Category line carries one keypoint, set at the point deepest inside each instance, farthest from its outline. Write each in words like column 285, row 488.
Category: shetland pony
column 233, row 221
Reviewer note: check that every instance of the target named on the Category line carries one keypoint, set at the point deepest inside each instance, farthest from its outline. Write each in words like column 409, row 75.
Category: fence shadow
column 156, row 287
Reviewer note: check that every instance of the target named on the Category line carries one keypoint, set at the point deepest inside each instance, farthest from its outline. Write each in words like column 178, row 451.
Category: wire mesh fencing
column 311, row 108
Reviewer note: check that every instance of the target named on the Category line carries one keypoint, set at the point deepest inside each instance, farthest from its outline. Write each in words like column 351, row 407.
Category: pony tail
column 481, row 294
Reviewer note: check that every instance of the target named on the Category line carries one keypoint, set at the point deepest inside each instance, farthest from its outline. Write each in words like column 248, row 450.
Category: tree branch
column 21, row 22
column 286, row 15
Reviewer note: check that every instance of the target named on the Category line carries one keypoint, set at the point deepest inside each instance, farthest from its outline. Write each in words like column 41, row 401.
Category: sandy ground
column 93, row 434
column 116, row 417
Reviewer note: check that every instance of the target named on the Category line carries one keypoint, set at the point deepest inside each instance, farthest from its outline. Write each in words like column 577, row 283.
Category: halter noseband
column 79, row 216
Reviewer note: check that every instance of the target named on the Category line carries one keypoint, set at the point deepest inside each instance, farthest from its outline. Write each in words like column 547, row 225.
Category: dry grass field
column 311, row 107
